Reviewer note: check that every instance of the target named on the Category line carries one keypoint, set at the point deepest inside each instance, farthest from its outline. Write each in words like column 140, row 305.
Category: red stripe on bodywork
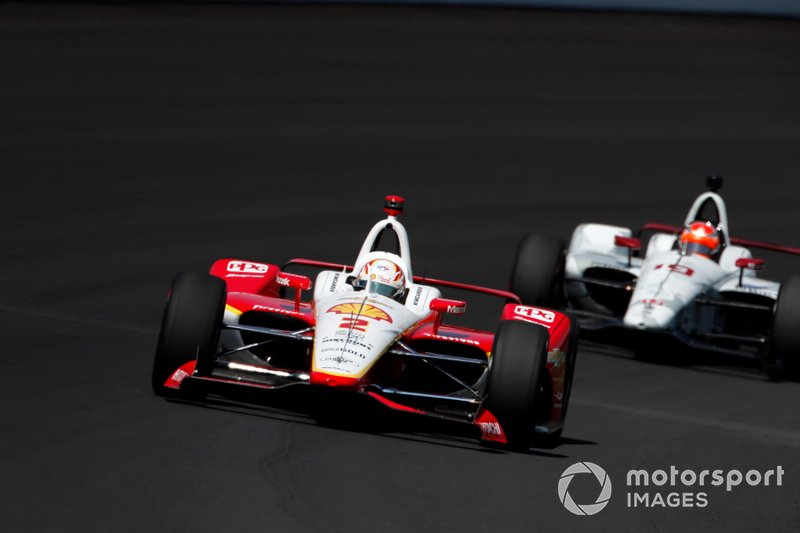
column 394, row 405
column 245, row 302
column 329, row 380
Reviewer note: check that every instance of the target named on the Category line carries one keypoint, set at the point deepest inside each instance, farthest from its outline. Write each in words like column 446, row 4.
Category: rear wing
column 666, row 228
column 506, row 295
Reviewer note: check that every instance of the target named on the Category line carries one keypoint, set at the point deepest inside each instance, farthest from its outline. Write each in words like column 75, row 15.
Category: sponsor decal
column 490, row 428
column 417, row 294
column 334, row 282
column 622, row 266
column 347, row 332
column 293, row 281
column 453, row 307
column 761, row 292
column 179, row 375
column 651, row 303
column 464, row 340
column 259, row 307
column 339, row 360
column 354, row 341
column 247, row 267
column 539, row 315
column 365, row 310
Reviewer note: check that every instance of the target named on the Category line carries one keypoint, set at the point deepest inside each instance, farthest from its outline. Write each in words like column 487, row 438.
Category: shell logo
column 365, row 310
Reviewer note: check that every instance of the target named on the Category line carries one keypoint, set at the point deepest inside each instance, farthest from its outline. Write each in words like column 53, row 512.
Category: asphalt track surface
column 140, row 140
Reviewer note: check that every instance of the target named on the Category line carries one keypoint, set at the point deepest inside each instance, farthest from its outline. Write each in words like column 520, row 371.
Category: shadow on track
column 351, row 413
column 671, row 353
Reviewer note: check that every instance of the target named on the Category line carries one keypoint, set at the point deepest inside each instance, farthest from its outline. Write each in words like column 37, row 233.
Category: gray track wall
column 781, row 8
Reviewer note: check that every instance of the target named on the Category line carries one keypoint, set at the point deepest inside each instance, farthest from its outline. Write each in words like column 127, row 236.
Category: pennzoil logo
column 362, row 311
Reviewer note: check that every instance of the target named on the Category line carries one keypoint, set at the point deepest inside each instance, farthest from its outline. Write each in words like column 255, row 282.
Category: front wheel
column 518, row 381
column 538, row 273
column 190, row 326
column 783, row 352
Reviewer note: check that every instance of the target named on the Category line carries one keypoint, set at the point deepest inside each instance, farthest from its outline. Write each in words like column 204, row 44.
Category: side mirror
column 750, row 263
column 294, row 281
column 443, row 305
column 631, row 243
column 452, row 307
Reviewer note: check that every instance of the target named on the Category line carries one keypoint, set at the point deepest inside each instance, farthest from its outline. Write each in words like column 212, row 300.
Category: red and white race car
column 372, row 329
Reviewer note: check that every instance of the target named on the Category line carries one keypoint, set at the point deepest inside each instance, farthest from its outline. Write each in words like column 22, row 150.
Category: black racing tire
column 572, row 356
column 552, row 439
column 190, row 326
column 537, row 276
column 518, row 379
column 783, row 355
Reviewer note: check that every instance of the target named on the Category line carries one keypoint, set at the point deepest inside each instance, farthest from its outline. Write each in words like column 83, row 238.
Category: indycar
column 374, row 330
column 711, row 301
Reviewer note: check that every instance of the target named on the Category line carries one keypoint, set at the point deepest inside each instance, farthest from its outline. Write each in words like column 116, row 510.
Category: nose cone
column 651, row 315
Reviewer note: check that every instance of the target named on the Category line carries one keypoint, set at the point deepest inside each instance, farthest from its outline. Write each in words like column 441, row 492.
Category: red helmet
column 700, row 238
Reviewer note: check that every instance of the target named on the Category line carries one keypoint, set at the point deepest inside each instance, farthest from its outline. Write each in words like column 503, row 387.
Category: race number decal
column 356, row 324
column 678, row 269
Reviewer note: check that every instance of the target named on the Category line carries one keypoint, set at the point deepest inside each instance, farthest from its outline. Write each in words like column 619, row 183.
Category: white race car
column 695, row 283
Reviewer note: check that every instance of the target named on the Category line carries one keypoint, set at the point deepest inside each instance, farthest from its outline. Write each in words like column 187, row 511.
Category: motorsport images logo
column 590, row 508
column 663, row 488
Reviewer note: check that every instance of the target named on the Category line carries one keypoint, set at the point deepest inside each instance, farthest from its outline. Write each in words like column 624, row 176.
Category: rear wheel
column 783, row 356
column 538, row 273
column 190, row 326
column 518, row 381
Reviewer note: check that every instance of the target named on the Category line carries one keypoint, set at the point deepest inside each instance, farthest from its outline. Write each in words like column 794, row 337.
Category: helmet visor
column 376, row 287
column 696, row 248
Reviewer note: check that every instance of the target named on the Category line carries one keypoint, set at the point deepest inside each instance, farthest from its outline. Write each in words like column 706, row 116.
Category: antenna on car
column 714, row 182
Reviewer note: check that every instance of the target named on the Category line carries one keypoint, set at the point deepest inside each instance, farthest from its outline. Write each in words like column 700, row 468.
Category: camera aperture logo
column 590, row 508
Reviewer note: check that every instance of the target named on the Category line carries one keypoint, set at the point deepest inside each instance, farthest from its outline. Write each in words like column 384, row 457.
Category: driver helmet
column 700, row 238
column 381, row 276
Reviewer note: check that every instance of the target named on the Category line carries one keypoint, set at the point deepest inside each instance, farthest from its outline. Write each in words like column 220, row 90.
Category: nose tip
column 642, row 317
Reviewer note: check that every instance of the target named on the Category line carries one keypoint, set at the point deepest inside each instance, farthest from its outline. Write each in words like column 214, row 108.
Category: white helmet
column 382, row 276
